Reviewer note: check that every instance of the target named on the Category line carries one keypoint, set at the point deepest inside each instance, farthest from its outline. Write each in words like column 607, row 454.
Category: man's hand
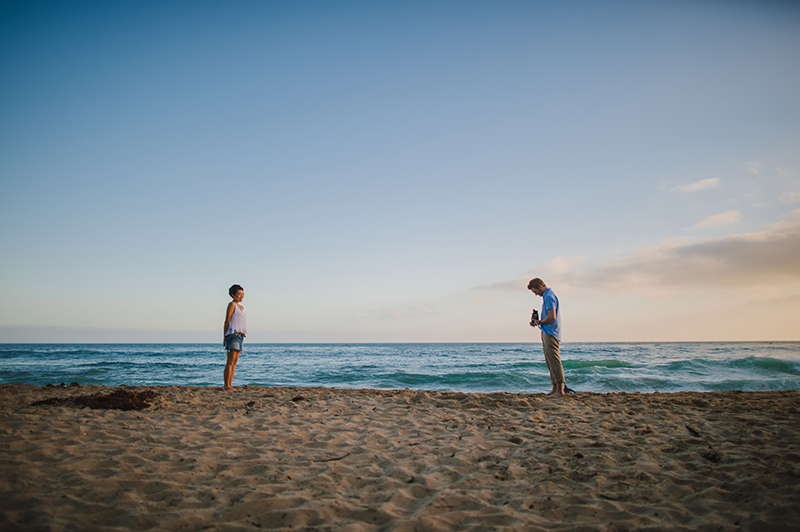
column 550, row 318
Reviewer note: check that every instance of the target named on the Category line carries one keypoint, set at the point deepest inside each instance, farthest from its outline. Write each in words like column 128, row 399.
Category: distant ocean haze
column 461, row 367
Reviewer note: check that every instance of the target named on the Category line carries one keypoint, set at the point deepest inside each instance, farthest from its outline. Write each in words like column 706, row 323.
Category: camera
column 535, row 316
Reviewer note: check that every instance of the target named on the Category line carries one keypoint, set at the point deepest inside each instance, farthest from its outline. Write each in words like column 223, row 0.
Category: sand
column 368, row 460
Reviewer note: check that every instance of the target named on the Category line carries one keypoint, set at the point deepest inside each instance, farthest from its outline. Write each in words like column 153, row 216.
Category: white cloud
column 563, row 265
column 790, row 197
column 754, row 168
column 482, row 299
column 724, row 218
column 559, row 268
column 403, row 312
column 700, row 185
column 743, row 261
column 768, row 259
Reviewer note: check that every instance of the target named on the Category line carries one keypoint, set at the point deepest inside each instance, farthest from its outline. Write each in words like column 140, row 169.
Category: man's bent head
column 537, row 286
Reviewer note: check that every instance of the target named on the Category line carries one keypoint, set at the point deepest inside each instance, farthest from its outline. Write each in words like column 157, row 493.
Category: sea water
column 466, row 367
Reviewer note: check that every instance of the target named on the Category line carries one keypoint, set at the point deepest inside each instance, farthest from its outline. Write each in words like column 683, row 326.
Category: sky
column 398, row 171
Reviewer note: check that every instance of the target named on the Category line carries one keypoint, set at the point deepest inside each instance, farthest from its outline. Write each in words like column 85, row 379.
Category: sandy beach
column 369, row 460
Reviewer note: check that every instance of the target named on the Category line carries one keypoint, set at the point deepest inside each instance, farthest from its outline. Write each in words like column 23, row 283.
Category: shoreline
column 293, row 458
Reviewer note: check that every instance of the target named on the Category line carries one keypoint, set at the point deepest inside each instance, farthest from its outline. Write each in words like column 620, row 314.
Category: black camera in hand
column 534, row 317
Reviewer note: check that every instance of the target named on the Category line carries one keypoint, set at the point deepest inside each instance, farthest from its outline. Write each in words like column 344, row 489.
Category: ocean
column 465, row 367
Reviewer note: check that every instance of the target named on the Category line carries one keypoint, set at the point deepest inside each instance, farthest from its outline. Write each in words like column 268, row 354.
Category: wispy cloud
column 403, row 312
column 561, row 267
column 742, row 261
column 746, row 260
column 790, row 197
column 699, row 185
column 723, row 218
column 754, row 168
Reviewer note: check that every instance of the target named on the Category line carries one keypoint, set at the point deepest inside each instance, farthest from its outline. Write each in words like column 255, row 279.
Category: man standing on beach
column 550, row 325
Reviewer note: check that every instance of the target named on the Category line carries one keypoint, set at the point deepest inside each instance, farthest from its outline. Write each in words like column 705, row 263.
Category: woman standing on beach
column 235, row 330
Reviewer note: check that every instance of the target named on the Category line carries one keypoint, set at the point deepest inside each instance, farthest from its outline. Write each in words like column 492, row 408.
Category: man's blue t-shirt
column 549, row 300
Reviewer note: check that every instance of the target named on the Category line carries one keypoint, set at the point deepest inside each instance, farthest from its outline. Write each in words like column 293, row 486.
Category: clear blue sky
column 397, row 171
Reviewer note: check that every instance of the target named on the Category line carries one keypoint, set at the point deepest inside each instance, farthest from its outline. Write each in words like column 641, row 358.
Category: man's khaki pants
column 553, row 358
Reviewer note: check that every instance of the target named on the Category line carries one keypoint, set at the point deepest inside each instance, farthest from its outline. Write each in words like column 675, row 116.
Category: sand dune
column 368, row 460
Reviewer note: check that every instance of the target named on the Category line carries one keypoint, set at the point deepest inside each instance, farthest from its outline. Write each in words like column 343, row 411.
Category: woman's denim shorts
column 233, row 342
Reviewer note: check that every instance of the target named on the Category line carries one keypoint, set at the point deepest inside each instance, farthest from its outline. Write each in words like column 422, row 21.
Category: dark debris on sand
column 116, row 400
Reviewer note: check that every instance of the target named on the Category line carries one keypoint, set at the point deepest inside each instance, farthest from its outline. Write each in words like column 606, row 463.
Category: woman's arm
column 228, row 314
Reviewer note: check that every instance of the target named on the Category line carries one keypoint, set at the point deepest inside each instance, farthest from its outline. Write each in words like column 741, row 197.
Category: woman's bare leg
column 230, row 368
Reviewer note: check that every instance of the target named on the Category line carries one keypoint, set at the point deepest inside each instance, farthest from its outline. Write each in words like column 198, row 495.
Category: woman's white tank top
column 238, row 321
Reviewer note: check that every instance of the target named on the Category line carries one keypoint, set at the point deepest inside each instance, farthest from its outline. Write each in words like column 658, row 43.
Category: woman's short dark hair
column 233, row 289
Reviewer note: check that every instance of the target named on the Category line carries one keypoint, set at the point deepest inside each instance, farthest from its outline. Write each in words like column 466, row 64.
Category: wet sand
column 368, row 460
